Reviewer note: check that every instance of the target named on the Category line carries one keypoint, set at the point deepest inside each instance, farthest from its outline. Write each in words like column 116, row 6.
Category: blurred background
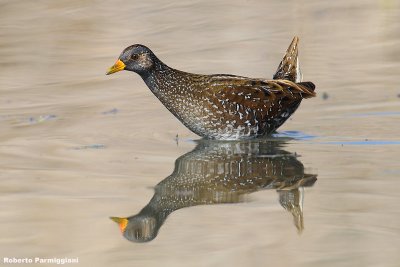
column 77, row 146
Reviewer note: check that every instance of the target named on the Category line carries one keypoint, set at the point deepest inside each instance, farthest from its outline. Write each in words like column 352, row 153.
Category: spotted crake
column 222, row 106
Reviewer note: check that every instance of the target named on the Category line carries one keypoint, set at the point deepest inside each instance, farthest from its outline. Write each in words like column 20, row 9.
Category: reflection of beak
column 123, row 222
column 118, row 66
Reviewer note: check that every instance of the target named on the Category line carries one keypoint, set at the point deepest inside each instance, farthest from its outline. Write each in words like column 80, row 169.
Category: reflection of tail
column 289, row 68
column 292, row 201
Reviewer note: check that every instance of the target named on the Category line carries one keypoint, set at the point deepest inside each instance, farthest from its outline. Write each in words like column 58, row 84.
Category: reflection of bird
column 222, row 106
column 221, row 172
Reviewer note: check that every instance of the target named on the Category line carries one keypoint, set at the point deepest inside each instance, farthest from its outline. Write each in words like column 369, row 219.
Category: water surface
column 77, row 147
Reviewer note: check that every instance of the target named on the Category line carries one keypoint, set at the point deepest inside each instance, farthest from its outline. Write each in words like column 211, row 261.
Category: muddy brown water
column 77, row 147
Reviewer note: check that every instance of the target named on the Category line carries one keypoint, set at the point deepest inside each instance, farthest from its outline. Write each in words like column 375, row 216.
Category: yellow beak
column 122, row 222
column 118, row 66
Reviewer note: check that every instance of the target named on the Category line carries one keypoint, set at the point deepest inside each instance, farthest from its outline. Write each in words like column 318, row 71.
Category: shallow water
column 77, row 147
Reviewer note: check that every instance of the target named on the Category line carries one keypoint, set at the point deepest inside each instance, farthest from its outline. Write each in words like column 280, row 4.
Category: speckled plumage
column 222, row 106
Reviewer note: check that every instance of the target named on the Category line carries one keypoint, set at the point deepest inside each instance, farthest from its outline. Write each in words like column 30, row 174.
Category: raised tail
column 287, row 81
column 289, row 68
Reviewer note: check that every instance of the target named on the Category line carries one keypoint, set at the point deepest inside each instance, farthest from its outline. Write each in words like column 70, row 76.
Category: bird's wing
column 265, row 99
column 258, row 89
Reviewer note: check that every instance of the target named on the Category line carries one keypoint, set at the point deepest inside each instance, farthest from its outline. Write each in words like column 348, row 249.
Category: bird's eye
column 135, row 56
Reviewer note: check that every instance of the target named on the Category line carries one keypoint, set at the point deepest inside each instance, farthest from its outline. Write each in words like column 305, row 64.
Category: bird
column 219, row 172
column 222, row 106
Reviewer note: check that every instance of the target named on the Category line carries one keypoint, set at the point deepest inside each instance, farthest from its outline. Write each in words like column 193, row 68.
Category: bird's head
column 137, row 58
column 138, row 228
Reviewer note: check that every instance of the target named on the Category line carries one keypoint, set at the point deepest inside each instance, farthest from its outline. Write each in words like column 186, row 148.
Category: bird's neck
column 155, row 210
column 169, row 85
column 164, row 79
column 158, row 79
